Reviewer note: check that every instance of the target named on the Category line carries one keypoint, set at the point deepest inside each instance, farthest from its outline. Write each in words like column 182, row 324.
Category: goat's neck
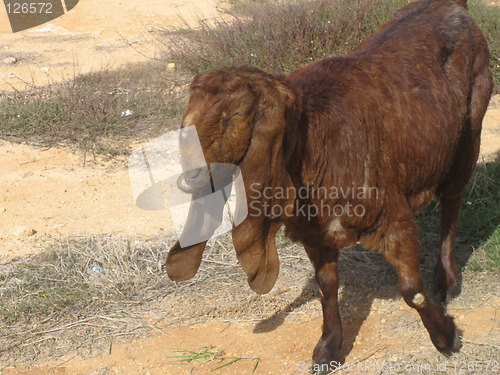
column 291, row 142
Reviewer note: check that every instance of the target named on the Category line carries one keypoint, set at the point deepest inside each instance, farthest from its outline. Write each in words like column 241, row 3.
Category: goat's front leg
column 326, row 355
column 402, row 252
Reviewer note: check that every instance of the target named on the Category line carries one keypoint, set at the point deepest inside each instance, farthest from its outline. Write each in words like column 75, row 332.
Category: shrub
column 282, row 36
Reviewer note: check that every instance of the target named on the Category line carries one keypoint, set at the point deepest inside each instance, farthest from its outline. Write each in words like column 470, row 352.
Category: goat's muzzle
column 194, row 180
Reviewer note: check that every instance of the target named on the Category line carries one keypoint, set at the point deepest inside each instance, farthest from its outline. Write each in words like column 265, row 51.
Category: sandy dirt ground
column 95, row 35
column 49, row 190
column 48, row 193
column 378, row 333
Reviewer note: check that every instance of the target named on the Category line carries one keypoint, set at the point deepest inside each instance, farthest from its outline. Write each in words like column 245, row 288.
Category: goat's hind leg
column 402, row 252
column 446, row 282
column 326, row 355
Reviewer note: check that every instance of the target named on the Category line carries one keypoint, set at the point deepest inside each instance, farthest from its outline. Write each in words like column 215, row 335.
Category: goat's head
column 240, row 115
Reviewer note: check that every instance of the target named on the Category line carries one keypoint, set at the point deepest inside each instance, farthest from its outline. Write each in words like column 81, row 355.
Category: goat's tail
column 461, row 2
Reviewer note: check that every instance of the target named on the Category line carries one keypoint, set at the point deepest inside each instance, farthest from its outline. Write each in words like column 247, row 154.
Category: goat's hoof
column 324, row 367
column 455, row 348
column 448, row 344
column 326, row 355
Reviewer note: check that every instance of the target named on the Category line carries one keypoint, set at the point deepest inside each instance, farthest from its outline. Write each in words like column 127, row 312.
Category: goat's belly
column 337, row 236
column 419, row 201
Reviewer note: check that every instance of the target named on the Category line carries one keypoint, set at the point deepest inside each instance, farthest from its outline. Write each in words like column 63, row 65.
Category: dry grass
column 88, row 111
column 83, row 294
column 79, row 295
column 280, row 36
column 105, row 290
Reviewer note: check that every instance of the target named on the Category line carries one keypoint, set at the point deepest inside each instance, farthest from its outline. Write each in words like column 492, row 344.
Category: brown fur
column 402, row 114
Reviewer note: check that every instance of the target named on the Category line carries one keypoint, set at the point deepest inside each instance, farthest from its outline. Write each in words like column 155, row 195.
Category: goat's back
column 392, row 114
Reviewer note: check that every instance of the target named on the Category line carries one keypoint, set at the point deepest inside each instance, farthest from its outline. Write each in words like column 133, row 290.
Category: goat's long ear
column 203, row 219
column 183, row 263
column 265, row 178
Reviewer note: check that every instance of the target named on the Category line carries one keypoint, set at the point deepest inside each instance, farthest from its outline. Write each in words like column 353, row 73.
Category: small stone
column 24, row 231
column 44, row 69
column 2, row 210
column 171, row 67
column 10, row 60
column 95, row 270
column 127, row 113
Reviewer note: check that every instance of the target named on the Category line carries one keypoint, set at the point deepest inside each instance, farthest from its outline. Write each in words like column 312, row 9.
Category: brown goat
column 382, row 130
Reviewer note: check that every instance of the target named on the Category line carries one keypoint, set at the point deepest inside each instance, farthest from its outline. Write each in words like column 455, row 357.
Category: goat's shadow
column 351, row 323
column 479, row 218
column 309, row 292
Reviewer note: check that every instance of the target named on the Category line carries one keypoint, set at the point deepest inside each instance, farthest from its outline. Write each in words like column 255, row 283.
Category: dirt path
column 96, row 34
column 53, row 194
column 378, row 336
